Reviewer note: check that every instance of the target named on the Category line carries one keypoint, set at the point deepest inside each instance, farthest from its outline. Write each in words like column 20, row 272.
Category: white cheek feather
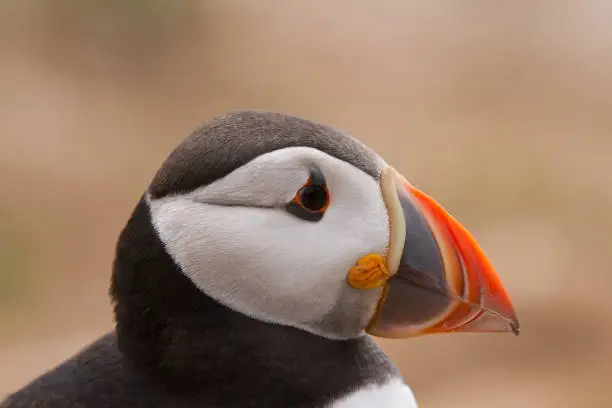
column 259, row 183
column 393, row 394
column 267, row 263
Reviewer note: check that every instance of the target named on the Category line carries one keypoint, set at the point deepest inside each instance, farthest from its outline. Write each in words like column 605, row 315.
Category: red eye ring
column 312, row 197
column 311, row 200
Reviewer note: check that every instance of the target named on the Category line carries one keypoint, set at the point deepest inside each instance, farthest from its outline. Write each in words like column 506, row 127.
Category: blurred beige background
column 500, row 110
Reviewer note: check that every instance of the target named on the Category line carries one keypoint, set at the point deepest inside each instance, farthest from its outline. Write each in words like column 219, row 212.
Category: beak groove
column 441, row 281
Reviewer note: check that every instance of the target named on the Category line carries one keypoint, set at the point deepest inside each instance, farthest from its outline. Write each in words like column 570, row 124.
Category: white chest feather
column 394, row 394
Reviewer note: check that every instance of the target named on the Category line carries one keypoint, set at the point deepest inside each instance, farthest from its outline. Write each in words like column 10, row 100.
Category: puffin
column 258, row 265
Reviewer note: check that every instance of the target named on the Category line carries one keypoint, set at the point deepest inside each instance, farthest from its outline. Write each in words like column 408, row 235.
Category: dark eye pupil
column 313, row 198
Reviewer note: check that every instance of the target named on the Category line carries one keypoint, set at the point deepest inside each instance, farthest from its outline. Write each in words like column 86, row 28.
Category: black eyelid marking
column 297, row 210
column 316, row 177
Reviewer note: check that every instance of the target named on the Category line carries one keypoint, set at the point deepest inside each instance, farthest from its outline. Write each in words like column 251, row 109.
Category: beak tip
column 515, row 327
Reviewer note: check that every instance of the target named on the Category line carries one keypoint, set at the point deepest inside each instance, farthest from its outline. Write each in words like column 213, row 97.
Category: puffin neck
column 172, row 331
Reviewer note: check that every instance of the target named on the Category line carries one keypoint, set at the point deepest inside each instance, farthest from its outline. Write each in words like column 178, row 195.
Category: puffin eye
column 311, row 200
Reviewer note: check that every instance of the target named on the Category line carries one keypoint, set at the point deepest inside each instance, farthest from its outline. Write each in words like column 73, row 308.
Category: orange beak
column 440, row 280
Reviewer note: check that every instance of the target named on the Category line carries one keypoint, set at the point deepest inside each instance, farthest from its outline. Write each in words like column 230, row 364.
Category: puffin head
column 296, row 224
